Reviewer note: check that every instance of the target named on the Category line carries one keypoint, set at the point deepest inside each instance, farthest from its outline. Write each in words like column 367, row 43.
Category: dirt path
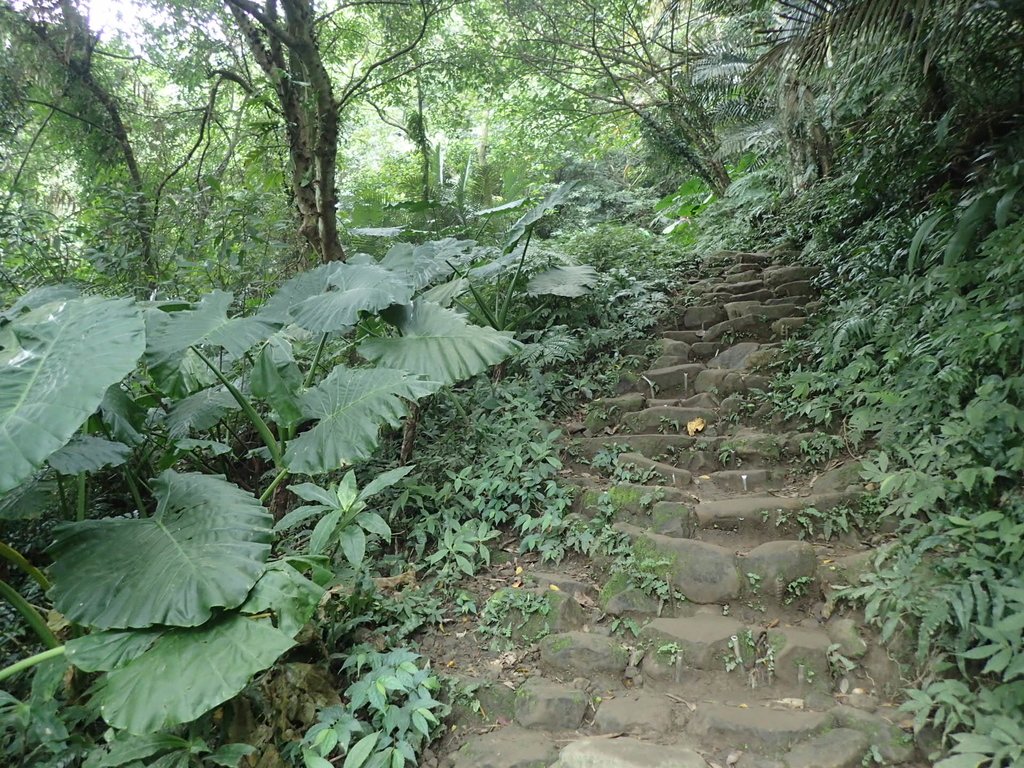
column 741, row 659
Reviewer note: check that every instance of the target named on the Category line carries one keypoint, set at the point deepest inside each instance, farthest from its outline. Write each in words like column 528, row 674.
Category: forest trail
column 742, row 659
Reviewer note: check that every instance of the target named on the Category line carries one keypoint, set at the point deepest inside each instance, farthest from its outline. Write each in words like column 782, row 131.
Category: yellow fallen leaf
column 554, row 588
column 744, row 706
column 695, row 426
column 519, row 569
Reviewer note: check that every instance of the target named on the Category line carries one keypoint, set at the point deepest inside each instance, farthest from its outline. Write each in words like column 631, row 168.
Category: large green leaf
column 204, row 548
column 291, row 596
column 569, row 281
column 440, row 344
column 104, row 651
column 428, row 262
column 200, row 411
column 187, row 672
column 169, row 334
column 529, row 219
column 297, row 289
column 56, row 363
column 351, row 404
column 88, row 453
column 352, row 288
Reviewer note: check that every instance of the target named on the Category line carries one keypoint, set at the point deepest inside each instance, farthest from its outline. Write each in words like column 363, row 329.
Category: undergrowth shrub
column 923, row 364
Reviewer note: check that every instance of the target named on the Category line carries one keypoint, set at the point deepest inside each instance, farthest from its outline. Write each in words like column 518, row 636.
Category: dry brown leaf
column 695, row 426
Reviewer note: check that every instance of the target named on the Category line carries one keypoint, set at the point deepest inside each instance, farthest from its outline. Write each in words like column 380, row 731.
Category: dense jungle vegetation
column 293, row 295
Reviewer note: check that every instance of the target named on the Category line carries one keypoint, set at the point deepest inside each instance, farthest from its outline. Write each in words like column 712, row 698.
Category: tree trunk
column 288, row 53
column 807, row 142
column 72, row 46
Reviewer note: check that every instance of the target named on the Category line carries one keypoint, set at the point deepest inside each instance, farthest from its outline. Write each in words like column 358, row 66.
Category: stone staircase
column 740, row 659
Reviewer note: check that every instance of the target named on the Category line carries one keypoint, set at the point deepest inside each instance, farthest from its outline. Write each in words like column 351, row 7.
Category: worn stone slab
column 698, row 318
column 510, row 747
column 582, row 654
column 775, row 276
column 838, row 748
column 634, row 712
column 748, row 480
column 705, row 350
column 620, row 597
column 795, row 288
column 735, row 357
column 673, row 518
column 726, row 382
column 763, row 512
column 741, row 275
column 784, row 326
column 607, row 411
column 765, row 311
column 688, row 336
column 701, row 640
column 801, row 656
column 626, row 753
column 570, row 586
column 845, row 633
column 779, row 564
column 757, row 725
column 666, row 419
column 673, row 348
column 550, row 706
column 668, row 473
column 677, row 379
column 893, row 744
column 703, row 573
column 669, row 361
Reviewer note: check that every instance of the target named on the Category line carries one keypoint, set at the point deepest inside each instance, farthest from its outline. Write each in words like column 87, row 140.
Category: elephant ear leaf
column 440, row 344
column 187, row 672
column 330, row 297
column 204, row 548
column 351, row 405
column 569, row 281
column 56, row 363
column 170, row 334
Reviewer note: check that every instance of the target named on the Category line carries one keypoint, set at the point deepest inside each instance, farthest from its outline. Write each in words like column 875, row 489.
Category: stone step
column 598, row 658
column 692, row 642
column 700, row 400
column 724, row 382
column 797, row 301
column 635, row 711
column 757, row 726
column 747, row 327
column 758, row 294
column 780, row 275
column 795, row 288
column 748, row 480
column 673, row 348
column 608, row 411
column 778, row 513
column 688, row 337
column 667, row 361
column 736, row 357
column 666, row 473
column 732, row 289
column 510, row 747
column 736, row 309
column 626, row 753
column 546, row 705
column 666, row 419
column 704, row 316
column 674, row 380
column 785, row 326
column 626, row 502
column 740, row 274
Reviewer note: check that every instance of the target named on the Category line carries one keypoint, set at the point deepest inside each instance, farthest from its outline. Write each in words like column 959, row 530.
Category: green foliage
column 58, row 356
column 391, row 714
